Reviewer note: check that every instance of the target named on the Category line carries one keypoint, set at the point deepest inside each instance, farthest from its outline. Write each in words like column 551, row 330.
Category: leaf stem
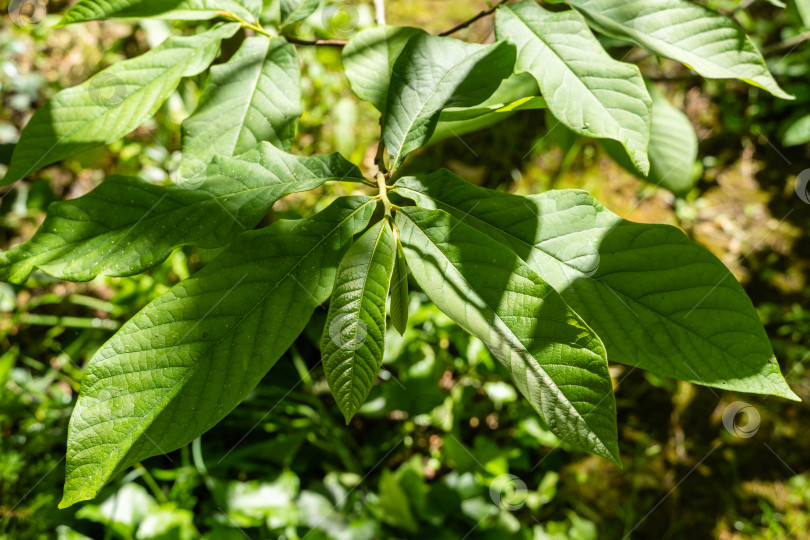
column 257, row 27
column 384, row 193
column 468, row 22
column 150, row 481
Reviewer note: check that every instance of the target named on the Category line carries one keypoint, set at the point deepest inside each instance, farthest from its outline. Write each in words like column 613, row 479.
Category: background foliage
column 443, row 447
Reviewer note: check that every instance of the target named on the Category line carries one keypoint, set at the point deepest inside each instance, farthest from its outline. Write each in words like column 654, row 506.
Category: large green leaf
column 369, row 57
column 704, row 40
column 255, row 96
column 111, row 103
column 297, row 10
column 188, row 358
column 189, row 10
column 585, row 88
column 658, row 300
column 555, row 360
column 433, row 73
column 673, row 148
column 127, row 225
column 354, row 336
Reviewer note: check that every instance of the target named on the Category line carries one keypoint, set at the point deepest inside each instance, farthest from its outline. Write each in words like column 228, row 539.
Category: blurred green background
column 444, row 448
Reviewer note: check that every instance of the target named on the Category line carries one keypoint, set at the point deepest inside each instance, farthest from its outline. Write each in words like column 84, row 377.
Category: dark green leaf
column 354, row 336
column 399, row 290
column 188, row 358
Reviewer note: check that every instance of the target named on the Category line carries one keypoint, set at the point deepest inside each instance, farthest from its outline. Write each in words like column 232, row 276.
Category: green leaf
column 354, row 336
column 803, row 7
column 369, row 57
column 433, row 73
column 585, row 88
column 111, row 103
column 797, row 132
column 127, row 225
column 182, row 10
column 255, row 96
column 188, row 358
column 554, row 359
column 658, row 300
column 297, row 10
column 399, row 290
column 706, row 41
column 673, row 148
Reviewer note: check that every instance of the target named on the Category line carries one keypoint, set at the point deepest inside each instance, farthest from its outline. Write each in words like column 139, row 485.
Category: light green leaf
column 673, row 148
column 354, row 336
column 658, row 300
column 399, row 290
column 706, row 41
column 369, row 57
column 433, row 73
column 127, row 225
column 255, row 96
column 111, row 103
column 803, row 7
column 297, row 10
column 554, row 359
column 181, row 10
column 585, row 88
column 188, row 358
column 797, row 132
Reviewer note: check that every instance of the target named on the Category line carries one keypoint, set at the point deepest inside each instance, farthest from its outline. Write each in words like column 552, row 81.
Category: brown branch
column 468, row 22
column 317, row 42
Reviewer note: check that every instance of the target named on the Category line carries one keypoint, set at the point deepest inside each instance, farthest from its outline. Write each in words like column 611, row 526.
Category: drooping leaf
column 127, row 225
column 188, row 358
column 555, row 360
column 182, row 10
column 702, row 39
column 255, row 96
column 111, row 103
column 354, row 336
column 399, row 290
column 585, row 88
column 433, row 73
column 369, row 57
column 659, row 301
column 673, row 148
column 297, row 10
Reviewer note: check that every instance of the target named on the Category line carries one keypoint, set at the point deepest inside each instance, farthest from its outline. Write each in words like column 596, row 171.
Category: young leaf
column 297, row 10
column 255, row 96
column 431, row 74
column 354, row 336
column 399, row 290
column 111, row 103
column 585, row 88
column 658, row 300
column 368, row 60
column 706, row 41
column 181, row 10
column 127, row 225
column 555, row 360
column 673, row 148
column 188, row 358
